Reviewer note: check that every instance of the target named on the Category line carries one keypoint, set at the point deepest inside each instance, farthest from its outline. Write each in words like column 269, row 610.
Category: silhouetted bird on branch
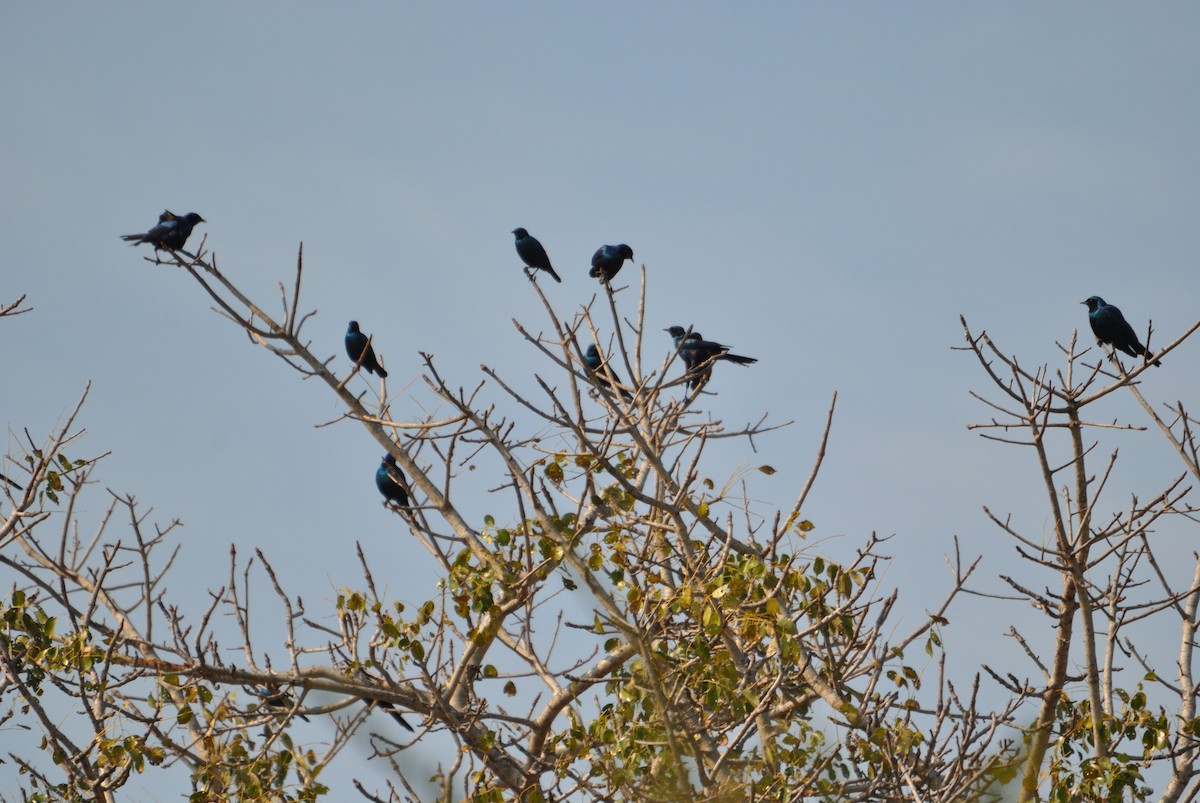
column 169, row 234
column 608, row 260
column 356, row 341
column 532, row 254
column 391, row 711
column 1109, row 326
column 388, row 478
column 698, row 354
column 603, row 371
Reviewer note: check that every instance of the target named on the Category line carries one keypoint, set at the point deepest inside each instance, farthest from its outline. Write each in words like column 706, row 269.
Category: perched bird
column 390, row 708
column 385, row 480
column 698, row 354
column 384, row 705
column 356, row 341
column 604, row 372
column 169, row 234
column 532, row 253
column 608, row 260
column 1109, row 326
column 278, row 700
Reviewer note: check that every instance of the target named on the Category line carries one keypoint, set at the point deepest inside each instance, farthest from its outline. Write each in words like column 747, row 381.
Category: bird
column 169, row 234
column 356, row 341
column 532, row 253
column 608, row 260
column 1109, row 326
column 698, row 354
column 391, row 711
column 277, row 699
column 607, row 376
column 385, row 480
column 390, row 708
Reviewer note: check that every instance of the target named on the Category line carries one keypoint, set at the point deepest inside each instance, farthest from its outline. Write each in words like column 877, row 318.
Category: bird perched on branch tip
column 608, row 260
column 533, row 254
column 1109, row 326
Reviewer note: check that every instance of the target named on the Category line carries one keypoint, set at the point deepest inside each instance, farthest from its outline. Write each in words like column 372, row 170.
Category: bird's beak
column 1084, row 303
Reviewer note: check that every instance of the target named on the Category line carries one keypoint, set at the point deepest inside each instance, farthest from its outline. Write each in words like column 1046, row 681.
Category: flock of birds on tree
column 698, row 355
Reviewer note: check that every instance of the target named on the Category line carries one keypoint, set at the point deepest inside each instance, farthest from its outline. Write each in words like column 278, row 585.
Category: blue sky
column 823, row 186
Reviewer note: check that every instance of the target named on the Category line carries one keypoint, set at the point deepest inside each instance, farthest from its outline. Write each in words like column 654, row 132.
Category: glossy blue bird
column 386, row 477
column 356, row 341
column 608, row 260
column 698, row 354
column 170, row 234
column 532, row 254
column 277, row 700
column 1109, row 326
column 604, row 373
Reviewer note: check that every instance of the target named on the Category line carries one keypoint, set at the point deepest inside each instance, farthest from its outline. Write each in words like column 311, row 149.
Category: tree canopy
column 634, row 627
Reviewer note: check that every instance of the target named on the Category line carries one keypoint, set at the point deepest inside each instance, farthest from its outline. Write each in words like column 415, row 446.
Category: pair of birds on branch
column 607, row 260
column 389, row 479
column 169, row 234
column 698, row 355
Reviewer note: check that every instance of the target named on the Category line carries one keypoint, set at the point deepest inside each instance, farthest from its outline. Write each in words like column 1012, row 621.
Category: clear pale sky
column 823, row 186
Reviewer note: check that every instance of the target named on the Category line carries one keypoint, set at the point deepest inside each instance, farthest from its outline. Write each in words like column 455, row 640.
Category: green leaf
column 768, row 470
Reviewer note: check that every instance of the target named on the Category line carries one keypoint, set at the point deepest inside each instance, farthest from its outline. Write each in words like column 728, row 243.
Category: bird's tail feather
column 135, row 238
column 739, row 359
